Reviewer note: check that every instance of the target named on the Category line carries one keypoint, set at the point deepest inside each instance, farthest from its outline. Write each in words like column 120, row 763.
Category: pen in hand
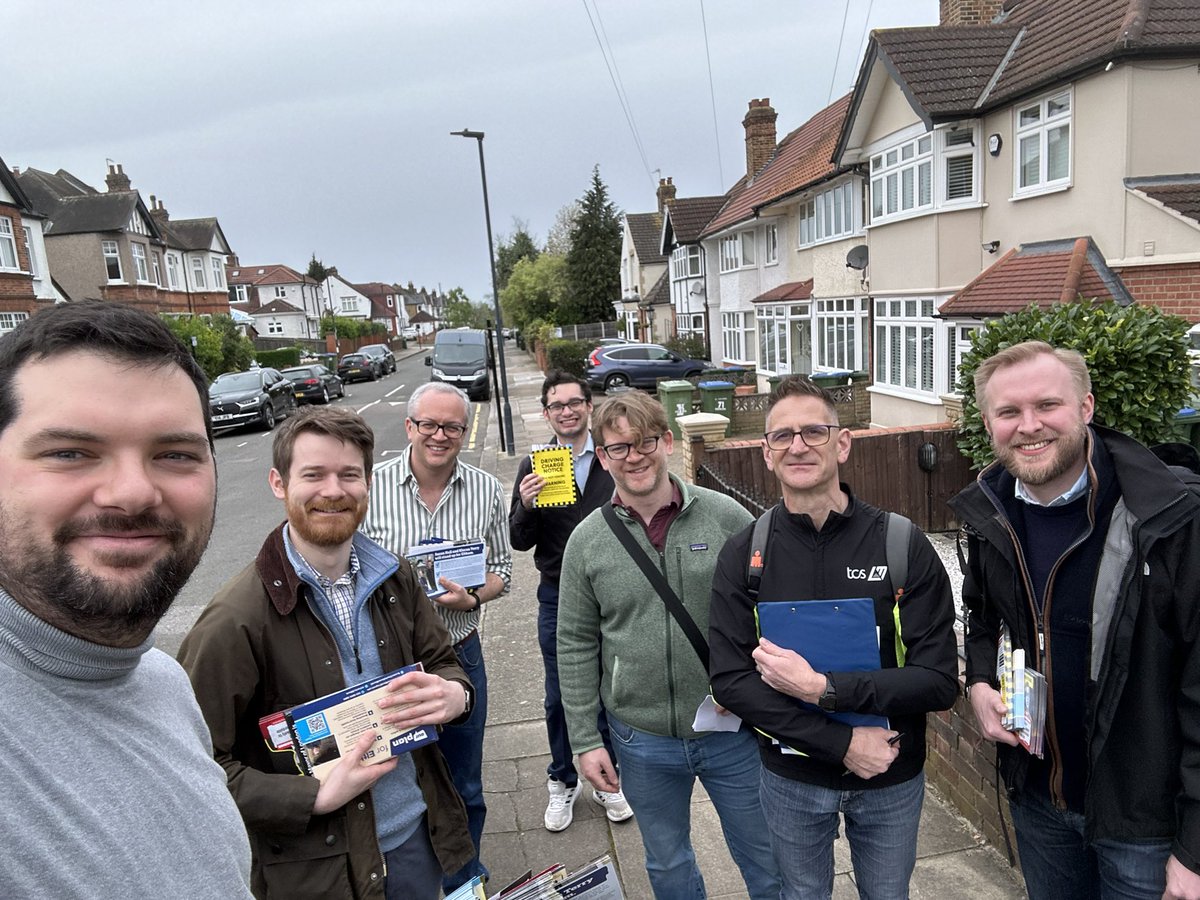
column 892, row 742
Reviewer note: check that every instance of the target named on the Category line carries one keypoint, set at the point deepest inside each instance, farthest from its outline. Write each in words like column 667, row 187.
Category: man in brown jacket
column 321, row 608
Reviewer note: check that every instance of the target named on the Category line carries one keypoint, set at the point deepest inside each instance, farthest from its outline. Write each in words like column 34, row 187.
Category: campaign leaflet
column 463, row 562
column 324, row 729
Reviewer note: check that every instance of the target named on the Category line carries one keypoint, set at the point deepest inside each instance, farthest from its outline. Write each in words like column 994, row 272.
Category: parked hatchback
column 382, row 354
column 358, row 367
column 314, row 384
column 638, row 365
column 256, row 397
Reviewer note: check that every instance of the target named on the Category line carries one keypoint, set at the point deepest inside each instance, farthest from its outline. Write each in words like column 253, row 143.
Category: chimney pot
column 759, row 124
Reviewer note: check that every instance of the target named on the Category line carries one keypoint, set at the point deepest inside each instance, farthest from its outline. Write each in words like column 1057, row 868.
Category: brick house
column 387, row 305
column 282, row 302
column 194, row 258
column 25, row 282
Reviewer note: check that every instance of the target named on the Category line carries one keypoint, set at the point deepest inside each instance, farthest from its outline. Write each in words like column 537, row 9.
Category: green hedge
column 569, row 355
column 1136, row 355
column 279, row 359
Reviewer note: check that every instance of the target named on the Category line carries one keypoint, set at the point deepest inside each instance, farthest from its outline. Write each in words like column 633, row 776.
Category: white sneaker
column 561, row 808
column 616, row 807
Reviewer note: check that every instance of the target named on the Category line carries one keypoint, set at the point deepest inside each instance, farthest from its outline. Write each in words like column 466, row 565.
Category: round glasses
column 452, row 430
column 645, row 447
column 811, row 435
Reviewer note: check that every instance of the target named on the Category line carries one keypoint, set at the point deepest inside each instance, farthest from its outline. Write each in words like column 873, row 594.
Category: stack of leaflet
column 596, row 881
column 1023, row 690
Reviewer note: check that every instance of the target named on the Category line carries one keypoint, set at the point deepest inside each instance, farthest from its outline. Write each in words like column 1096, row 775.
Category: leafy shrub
column 219, row 346
column 1136, row 355
column 691, row 347
column 568, row 355
column 351, row 328
column 280, row 358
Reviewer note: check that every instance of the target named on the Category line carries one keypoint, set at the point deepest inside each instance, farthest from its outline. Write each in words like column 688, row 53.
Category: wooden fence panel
column 883, row 470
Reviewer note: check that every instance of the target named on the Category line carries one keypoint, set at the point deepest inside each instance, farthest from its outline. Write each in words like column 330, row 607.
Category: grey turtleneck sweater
column 109, row 785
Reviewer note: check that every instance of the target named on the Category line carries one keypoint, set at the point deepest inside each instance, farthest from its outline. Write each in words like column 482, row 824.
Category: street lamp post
column 507, row 436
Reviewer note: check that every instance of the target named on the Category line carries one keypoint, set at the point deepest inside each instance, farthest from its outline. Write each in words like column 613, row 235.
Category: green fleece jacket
column 617, row 643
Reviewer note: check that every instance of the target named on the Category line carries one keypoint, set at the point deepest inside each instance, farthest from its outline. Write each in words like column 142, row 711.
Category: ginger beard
column 325, row 523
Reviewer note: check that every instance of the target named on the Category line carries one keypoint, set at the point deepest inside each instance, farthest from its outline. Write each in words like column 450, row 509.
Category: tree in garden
column 460, row 312
column 594, row 260
column 1137, row 357
column 316, row 269
column 512, row 249
column 220, row 345
column 558, row 238
column 536, row 290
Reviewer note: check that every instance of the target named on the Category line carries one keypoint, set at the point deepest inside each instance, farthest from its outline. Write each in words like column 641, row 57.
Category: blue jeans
column 1058, row 862
column 561, row 767
column 462, row 745
column 413, row 871
column 657, row 775
column 881, row 826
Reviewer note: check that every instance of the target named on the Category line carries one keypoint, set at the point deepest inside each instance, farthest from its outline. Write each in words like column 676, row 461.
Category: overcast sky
column 324, row 127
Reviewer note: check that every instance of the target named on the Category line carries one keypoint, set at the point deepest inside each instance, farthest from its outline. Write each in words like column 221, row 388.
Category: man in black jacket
column 567, row 406
column 825, row 544
column 1083, row 546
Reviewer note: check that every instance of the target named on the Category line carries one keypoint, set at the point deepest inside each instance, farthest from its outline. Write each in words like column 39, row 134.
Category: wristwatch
column 466, row 701
column 478, row 600
column 828, row 700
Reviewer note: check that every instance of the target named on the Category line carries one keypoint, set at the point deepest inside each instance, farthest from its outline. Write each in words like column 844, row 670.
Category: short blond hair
column 646, row 417
column 1023, row 352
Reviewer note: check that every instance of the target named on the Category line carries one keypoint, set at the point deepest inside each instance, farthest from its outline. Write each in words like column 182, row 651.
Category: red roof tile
column 802, row 158
column 1040, row 273
column 690, row 215
column 793, row 290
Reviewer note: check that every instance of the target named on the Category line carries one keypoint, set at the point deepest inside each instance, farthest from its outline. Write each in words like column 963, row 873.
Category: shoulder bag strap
column 674, row 606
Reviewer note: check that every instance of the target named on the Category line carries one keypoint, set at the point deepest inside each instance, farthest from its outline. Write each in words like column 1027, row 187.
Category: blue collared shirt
column 1078, row 488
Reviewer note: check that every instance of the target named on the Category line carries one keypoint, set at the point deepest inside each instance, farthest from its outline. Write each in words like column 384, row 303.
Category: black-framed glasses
column 811, row 435
column 575, row 404
column 645, row 447
column 452, row 430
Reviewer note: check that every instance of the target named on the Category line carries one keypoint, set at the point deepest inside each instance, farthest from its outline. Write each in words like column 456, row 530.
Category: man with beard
column 1083, row 547
column 107, row 495
column 322, row 608
column 428, row 492
column 567, row 407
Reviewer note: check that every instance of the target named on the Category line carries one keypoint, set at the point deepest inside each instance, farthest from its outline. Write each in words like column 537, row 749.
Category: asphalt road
column 246, row 508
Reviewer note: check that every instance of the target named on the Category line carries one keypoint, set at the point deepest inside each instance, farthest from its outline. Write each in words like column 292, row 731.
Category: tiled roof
column 951, row 72
column 689, row 216
column 9, row 181
column 802, row 158
column 92, row 212
column 645, row 229
column 1178, row 192
column 269, row 274
column 1041, row 273
column 793, row 290
column 189, row 234
column 278, row 308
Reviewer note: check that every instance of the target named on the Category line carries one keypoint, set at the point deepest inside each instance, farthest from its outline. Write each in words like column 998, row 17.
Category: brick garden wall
column 1173, row 288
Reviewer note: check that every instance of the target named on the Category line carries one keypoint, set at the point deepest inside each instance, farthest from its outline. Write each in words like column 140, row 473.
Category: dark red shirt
column 656, row 530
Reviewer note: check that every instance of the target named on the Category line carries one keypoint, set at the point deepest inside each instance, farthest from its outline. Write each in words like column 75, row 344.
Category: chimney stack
column 158, row 212
column 968, row 12
column 666, row 194
column 760, row 135
column 116, row 179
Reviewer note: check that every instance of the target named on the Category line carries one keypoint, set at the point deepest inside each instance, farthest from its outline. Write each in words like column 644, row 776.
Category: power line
column 614, row 77
column 838, row 58
column 712, row 96
column 866, row 24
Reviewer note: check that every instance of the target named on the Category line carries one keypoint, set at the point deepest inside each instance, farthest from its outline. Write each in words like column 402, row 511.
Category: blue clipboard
column 833, row 635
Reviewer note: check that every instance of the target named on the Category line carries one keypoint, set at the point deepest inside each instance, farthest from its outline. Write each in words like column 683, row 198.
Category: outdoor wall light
column 990, row 246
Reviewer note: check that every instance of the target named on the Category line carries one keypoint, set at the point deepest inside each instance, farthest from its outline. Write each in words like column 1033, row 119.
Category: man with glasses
column 825, row 544
column 620, row 649
column 567, row 407
column 424, row 493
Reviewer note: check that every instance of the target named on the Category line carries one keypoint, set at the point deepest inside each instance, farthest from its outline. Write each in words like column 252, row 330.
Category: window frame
column 218, row 272
column 771, row 239
column 905, row 349
column 198, row 279
column 8, row 239
column 10, row 320
column 141, row 265
column 111, row 253
column 1041, row 129
column 818, row 215
column 34, row 270
column 172, row 271
column 736, row 334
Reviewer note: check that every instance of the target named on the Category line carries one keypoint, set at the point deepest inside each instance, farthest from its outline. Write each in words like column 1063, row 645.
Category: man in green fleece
column 619, row 646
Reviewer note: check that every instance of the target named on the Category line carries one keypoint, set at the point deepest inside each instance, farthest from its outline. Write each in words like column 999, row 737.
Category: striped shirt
column 472, row 506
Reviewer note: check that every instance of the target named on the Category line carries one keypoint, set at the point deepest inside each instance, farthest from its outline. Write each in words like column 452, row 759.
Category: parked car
column 463, row 357
column 410, row 333
column 358, row 367
column 314, row 384
column 257, row 397
column 638, row 365
column 382, row 353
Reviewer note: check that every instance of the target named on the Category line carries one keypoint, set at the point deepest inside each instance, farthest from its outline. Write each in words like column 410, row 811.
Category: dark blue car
column 638, row 365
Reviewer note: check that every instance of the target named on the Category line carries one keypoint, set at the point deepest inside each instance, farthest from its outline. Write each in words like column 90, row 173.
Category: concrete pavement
column 953, row 861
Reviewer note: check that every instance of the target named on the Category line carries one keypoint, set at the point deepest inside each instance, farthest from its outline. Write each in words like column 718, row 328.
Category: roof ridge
column 1133, row 24
column 998, row 73
column 1075, row 266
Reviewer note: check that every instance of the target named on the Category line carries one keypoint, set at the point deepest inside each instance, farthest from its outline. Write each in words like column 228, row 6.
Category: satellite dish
column 697, row 289
column 857, row 258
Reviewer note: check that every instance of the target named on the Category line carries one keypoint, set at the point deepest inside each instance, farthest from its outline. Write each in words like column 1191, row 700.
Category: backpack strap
column 758, row 553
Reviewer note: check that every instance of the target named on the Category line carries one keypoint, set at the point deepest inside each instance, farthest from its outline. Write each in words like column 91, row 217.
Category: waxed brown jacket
column 257, row 649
